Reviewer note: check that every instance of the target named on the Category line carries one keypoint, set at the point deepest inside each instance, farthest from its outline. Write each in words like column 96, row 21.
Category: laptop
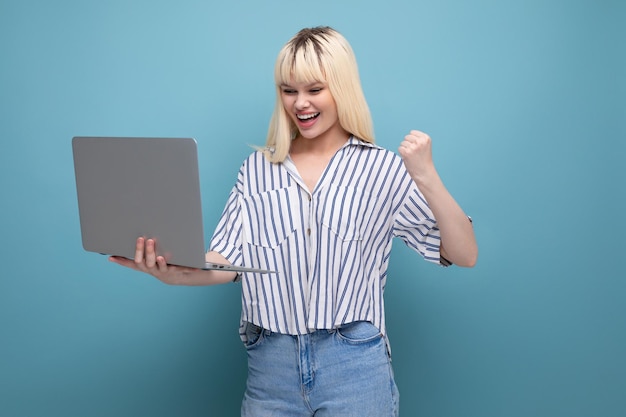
column 129, row 187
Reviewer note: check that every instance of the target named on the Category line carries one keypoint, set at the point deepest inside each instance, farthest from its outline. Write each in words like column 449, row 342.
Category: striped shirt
column 330, row 247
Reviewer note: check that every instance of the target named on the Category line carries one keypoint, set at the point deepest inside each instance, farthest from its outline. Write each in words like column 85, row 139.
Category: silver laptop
column 150, row 187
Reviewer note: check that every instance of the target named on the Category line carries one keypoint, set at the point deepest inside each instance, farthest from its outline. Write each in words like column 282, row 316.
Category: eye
column 289, row 91
column 316, row 90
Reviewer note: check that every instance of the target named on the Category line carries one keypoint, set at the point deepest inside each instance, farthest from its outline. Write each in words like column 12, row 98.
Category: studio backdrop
column 524, row 101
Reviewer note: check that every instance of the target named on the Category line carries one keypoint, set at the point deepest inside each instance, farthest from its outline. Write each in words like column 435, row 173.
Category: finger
column 161, row 263
column 128, row 263
column 419, row 142
column 406, row 147
column 423, row 137
column 409, row 143
column 414, row 139
column 139, row 250
column 150, row 253
column 416, row 135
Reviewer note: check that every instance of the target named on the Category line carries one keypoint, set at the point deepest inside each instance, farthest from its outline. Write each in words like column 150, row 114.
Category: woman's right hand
column 146, row 260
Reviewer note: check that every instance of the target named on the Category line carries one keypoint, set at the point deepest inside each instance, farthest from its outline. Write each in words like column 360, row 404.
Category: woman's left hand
column 416, row 152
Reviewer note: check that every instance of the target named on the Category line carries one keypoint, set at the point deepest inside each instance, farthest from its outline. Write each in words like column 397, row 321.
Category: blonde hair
column 319, row 54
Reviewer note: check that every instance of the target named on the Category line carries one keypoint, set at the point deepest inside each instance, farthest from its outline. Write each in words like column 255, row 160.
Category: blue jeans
column 344, row 372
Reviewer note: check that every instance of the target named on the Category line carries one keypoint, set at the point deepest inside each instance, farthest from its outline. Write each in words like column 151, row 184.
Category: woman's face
column 312, row 108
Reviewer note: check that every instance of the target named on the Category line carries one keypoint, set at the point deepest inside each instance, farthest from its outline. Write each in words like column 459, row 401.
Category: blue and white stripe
column 330, row 247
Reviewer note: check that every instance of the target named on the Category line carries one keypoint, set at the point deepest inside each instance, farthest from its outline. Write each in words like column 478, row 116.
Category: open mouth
column 307, row 117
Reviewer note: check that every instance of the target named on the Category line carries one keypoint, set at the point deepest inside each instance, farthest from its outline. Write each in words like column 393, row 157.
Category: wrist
column 427, row 181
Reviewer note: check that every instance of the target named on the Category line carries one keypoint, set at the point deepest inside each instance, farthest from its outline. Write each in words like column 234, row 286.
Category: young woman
column 320, row 204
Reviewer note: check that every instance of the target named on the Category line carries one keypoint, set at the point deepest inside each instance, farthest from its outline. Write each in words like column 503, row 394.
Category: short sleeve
column 416, row 225
column 226, row 239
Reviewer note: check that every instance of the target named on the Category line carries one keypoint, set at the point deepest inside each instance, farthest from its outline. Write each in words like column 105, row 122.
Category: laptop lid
column 130, row 187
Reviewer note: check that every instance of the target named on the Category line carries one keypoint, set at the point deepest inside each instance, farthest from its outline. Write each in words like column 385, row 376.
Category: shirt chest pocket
column 345, row 211
column 271, row 217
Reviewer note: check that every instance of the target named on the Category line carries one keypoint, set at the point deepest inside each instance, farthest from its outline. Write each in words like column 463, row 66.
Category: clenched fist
column 416, row 153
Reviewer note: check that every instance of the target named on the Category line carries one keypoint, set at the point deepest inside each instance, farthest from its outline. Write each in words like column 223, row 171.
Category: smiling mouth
column 307, row 117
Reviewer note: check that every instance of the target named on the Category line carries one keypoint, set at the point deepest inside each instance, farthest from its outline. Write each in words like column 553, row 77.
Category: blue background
column 525, row 104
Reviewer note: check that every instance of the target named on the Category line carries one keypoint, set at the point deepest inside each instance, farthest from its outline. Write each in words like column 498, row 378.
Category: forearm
column 198, row 277
column 458, row 243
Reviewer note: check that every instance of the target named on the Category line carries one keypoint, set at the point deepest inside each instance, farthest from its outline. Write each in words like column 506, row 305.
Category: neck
column 319, row 146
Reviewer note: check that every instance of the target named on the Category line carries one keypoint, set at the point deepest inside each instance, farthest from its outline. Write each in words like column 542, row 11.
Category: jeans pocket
column 359, row 332
column 254, row 335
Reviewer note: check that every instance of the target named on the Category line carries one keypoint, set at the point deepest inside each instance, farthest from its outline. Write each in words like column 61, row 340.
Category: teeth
column 307, row 116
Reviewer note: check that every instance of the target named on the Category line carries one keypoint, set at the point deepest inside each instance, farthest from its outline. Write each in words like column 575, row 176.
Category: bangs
column 301, row 65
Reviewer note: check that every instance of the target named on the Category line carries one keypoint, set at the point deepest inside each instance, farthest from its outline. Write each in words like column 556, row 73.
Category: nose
column 302, row 101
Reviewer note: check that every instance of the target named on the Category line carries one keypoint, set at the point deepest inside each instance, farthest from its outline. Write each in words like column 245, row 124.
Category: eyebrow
column 316, row 83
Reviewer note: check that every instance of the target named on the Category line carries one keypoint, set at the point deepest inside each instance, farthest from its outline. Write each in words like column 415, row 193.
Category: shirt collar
column 354, row 141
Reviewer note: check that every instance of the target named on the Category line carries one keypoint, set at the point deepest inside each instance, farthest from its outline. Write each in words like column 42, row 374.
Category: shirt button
column 308, row 232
